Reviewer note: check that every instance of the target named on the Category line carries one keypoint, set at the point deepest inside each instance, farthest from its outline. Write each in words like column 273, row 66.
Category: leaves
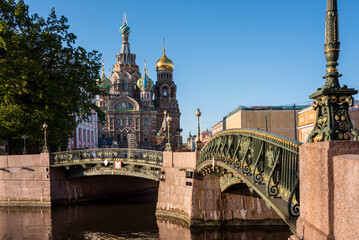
column 43, row 76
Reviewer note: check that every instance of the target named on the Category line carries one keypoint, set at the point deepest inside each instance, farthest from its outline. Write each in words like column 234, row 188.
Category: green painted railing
column 266, row 162
column 102, row 161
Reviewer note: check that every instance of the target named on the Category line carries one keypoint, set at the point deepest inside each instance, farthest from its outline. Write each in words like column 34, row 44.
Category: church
column 136, row 107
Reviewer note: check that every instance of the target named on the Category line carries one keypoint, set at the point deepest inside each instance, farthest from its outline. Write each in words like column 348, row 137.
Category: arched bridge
column 265, row 162
column 110, row 161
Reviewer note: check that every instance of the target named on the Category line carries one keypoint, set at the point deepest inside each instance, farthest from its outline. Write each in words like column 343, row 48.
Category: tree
column 43, row 77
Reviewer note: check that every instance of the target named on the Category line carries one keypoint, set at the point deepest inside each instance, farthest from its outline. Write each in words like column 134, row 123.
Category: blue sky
column 225, row 53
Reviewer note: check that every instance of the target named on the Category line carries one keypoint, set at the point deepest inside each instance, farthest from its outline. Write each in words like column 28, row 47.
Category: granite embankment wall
column 199, row 201
column 28, row 180
column 24, row 180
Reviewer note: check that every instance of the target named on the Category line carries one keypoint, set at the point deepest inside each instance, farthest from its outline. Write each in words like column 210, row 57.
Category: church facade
column 136, row 107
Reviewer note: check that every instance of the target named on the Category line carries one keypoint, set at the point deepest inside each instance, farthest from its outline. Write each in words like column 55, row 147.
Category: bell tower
column 165, row 91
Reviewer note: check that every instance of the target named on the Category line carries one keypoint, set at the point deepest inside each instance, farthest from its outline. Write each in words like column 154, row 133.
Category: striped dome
column 145, row 82
column 104, row 81
column 125, row 29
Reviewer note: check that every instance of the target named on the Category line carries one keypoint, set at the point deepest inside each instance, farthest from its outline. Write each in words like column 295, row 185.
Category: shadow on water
column 115, row 219
column 124, row 218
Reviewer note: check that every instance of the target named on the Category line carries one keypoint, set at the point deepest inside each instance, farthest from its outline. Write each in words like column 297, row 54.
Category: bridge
column 266, row 163
column 110, row 161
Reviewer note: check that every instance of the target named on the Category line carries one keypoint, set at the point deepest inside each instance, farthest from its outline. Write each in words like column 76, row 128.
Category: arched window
column 173, row 92
column 165, row 92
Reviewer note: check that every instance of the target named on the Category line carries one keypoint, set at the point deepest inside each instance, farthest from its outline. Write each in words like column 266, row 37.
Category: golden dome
column 164, row 62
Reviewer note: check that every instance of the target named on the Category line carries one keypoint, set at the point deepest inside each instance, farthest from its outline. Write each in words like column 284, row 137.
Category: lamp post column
column 45, row 149
column 198, row 143
column 168, row 144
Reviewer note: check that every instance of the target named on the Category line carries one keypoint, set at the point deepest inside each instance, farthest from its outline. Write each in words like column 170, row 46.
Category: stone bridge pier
column 329, row 191
column 198, row 201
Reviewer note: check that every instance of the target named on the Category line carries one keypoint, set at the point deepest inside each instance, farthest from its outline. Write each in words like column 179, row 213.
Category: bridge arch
column 266, row 163
column 110, row 161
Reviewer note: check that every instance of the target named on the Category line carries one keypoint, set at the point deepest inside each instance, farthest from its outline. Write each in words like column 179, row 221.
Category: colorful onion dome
column 164, row 62
column 125, row 29
column 104, row 82
column 145, row 82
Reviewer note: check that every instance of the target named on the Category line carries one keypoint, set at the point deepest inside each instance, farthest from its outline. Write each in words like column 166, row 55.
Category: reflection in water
column 25, row 223
column 171, row 230
column 113, row 220
column 107, row 220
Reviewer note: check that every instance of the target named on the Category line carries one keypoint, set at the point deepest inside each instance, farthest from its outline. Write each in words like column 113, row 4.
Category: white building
column 85, row 134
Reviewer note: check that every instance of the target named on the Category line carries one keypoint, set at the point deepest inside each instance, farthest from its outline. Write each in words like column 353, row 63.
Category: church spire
column 103, row 67
column 125, row 55
column 164, row 45
column 164, row 62
column 125, row 30
column 124, row 17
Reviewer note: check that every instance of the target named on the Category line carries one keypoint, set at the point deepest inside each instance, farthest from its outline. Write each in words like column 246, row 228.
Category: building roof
column 256, row 108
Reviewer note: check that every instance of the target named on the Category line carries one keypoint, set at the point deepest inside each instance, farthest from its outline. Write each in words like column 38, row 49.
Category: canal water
column 114, row 220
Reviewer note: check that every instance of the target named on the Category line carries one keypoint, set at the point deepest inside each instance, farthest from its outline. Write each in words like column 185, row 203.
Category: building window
column 124, row 121
column 129, row 121
column 124, row 138
column 145, row 122
column 118, row 121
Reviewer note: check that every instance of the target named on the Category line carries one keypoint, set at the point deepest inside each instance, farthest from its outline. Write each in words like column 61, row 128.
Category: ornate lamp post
column 198, row 143
column 24, row 137
column 168, row 144
column 332, row 101
column 45, row 149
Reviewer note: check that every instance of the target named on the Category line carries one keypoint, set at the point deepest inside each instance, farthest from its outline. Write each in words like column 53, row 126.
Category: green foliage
column 43, row 76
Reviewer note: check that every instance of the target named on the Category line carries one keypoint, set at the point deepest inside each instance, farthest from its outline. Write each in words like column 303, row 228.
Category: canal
column 114, row 220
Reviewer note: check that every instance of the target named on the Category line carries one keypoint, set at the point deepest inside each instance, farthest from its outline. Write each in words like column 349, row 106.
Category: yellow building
column 306, row 122
column 280, row 120
column 307, row 119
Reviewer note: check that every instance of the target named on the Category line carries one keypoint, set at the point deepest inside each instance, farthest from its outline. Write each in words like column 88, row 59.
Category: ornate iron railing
column 266, row 162
column 101, row 161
